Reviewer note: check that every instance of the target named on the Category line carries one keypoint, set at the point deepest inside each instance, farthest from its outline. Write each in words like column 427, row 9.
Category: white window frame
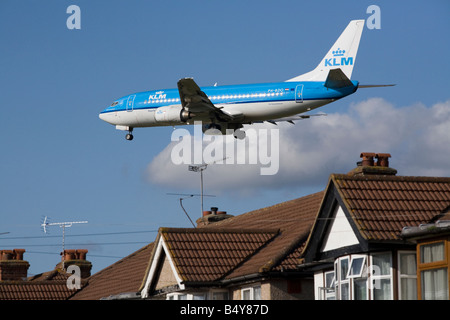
column 375, row 277
column 367, row 273
column 329, row 290
column 361, row 275
column 251, row 291
column 339, row 281
column 185, row 296
column 362, row 269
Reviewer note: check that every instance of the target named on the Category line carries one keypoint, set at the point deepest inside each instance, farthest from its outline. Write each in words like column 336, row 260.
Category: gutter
column 223, row 282
column 124, row 296
column 426, row 230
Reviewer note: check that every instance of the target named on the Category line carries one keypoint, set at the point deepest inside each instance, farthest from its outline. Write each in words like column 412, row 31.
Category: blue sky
column 59, row 160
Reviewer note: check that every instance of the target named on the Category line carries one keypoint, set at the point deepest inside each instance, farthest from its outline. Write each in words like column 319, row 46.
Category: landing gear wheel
column 239, row 134
column 129, row 137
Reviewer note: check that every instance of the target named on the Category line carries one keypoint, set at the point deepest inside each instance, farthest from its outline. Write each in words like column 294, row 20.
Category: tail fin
column 341, row 55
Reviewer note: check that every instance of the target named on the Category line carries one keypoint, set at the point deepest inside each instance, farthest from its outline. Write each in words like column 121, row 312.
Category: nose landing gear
column 129, row 136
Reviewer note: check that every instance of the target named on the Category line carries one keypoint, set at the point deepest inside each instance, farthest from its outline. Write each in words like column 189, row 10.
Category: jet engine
column 172, row 114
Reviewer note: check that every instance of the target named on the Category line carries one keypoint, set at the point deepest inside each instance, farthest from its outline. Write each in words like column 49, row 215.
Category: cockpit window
column 114, row 104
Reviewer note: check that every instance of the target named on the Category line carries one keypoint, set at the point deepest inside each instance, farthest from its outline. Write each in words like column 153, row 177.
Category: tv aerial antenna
column 62, row 225
column 186, row 196
column 201, row 168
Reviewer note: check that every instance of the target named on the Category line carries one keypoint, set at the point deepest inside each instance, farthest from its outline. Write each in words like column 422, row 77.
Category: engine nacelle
column 172, row 114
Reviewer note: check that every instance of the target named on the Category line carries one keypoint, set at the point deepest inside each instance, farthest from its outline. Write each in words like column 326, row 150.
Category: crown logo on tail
column 338, row 52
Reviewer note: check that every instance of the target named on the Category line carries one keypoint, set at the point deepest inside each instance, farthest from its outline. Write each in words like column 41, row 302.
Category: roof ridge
column 260, row 210
column 219, row 230
column 338, row 176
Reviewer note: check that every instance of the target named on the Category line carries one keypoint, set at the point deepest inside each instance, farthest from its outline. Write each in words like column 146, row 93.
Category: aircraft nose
column 105, row 116
column 102, row 116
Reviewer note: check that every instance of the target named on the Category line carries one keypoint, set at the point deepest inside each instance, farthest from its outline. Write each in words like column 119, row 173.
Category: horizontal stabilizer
column 375, row 85
column 337, row 79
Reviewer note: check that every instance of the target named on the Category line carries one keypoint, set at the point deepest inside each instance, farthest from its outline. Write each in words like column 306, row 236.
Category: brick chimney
column 211, row 216
column 77, row 257
column 368, row 166
column 12, row 265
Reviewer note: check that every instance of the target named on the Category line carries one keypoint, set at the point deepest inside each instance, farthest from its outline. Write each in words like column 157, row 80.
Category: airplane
column 227, row 108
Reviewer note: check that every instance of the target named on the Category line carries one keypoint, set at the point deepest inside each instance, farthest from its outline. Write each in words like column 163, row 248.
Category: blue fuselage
column 255, row 102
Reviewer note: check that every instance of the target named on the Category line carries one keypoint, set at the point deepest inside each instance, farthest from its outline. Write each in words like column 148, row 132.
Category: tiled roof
column 293, row 218
column 46, row 286
column 21, row 290
column 210, row 254
column 382, row 205
column 126, row 275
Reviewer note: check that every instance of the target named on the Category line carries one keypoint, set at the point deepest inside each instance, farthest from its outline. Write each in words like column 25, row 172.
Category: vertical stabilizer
column 342, row 54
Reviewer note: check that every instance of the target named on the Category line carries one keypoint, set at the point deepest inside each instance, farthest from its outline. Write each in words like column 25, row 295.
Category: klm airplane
column 228, row 108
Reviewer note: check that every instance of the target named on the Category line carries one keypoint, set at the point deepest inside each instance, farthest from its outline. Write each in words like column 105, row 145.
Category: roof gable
column 202, row 255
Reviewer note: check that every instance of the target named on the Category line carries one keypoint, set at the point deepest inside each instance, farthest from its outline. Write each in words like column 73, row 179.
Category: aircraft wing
column 295, row 118
column 196, row 101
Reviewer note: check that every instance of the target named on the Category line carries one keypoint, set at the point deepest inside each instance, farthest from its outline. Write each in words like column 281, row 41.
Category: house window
column 382, row 276
column 433, row 271
column 199, row 296
column 432, row 252
column 357, row 272
column 215, row 294
column 330, row 293
column 407, row 275
column 362, row 277
column 356, row 266
column 342, row 283
column 219, row 295
column 252, row 293
column 434, row 284
column 186, row 296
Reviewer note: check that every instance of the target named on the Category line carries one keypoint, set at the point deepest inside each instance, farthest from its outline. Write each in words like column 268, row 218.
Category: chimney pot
column 214, row 210
column 383, row 159
column 367, row 159
column 7, row 255
column 206, row 213
column 19, row 253
column 68, row 254
column 81, row 254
